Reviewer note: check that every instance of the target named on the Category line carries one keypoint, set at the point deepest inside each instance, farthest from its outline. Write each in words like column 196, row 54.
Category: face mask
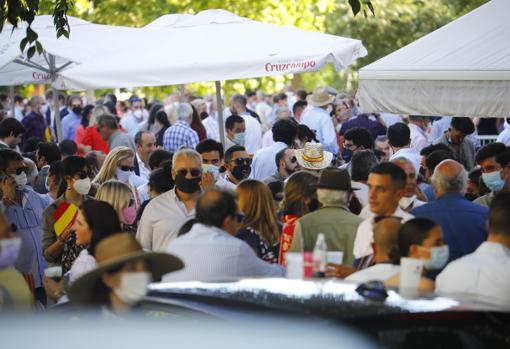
column 188, row 186
column 405, row 202
column 241, row 172
column 493, row 181
column 123, row 176
column 9, row 252
column 129, row 215
column 21, row 180
column 438, row 258
column 239, row 138
column 347, row 155
column 133, row 287
column 212, row 169
column 77, row 110
column 82, row 186
column 203, row 115
column 138, row 114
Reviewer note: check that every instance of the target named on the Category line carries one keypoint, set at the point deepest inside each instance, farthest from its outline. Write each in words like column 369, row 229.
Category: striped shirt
column 179, row 135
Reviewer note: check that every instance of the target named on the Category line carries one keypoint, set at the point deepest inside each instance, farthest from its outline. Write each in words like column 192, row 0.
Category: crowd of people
column 139, row 191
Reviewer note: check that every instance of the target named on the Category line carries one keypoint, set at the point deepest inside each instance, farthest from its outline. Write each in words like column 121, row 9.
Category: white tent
column 461, row 69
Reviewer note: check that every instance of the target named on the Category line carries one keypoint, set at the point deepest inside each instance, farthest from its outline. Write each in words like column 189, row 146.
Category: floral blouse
column 261, row 248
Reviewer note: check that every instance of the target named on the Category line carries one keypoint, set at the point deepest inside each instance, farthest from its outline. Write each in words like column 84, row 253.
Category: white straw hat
column 313, row 156
column 320, row 97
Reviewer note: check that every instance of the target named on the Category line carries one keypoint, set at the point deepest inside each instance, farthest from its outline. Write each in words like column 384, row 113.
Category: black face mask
column 188, row 186
column 313, row 205
column 77, row 110
column 203, row 115
column 347, row 155
column 241, row 172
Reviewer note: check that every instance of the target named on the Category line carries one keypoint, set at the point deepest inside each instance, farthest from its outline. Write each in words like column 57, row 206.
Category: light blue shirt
column 318, row 120
column 69, row 125
column 264, row 164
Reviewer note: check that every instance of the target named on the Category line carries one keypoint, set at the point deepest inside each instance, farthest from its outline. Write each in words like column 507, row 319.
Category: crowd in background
column 138, row 191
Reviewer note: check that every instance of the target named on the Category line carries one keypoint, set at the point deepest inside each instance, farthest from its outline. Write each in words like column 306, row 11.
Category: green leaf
column 39, row 47
column 371, row 7
column 23, row 44
column 31, row 35
column 66, row 34
column 355, row 6
column 30, row 52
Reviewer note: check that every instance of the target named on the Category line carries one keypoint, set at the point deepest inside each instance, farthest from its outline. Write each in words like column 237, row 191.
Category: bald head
column 449, row 177
column 214, row 206
column 385, row 238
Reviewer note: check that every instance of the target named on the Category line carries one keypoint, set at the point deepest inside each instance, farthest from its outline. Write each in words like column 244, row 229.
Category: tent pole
column 219, row 107
column 181, row 93
column 11, row 97
column 56, row 107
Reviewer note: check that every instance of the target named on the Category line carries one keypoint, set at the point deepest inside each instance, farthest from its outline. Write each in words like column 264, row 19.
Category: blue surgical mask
column 438, row 258
column 493, row 181
column 211, row 168
column 9, row 252
column 239, row 138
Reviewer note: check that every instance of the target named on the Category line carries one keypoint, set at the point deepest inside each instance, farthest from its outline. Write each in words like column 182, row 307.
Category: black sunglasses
column 194, row 172
column 242, row 161
column 127, row 168
column 20, row 170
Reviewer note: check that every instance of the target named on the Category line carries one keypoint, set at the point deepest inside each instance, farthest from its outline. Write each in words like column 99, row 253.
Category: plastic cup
column 54, row 273
column 410, row 273
column 336, row 257
column 294, row 265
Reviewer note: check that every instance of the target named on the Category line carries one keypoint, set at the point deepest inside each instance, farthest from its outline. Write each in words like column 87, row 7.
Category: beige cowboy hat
column 313, row 156
column 113, row 252
column 320, row 97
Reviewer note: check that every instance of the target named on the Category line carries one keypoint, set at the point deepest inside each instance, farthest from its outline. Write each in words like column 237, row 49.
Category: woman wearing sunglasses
column 120, row 196
column 58, row 240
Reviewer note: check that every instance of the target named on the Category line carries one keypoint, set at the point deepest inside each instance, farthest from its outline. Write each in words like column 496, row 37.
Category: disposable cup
column 410, row 272
column 336, row 257
column 294, row 265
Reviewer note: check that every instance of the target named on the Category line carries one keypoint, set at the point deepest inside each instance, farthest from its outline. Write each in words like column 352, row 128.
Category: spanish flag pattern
column 64, row 217
column 47, row 134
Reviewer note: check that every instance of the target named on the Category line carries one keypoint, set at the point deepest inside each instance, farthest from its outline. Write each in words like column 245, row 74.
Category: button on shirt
column 69, row 125
column 318, row 120
column 179, row 135
column 211, row 254
column 264, row 164
column 483, row 276
column 161, row 220
column 253, row 138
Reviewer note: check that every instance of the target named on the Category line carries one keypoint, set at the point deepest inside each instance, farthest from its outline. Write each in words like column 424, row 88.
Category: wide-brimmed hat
column 113, row 252
column 320, row 97
column 313, row 156
column 334, row 178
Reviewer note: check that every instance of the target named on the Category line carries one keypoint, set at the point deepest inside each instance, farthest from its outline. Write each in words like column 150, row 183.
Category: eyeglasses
column 239, row 217
column 242, row 161
column 127, row 168
column 194, row 172
column 20, row 170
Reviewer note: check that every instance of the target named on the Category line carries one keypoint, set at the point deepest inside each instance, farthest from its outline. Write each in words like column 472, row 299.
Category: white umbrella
column 461, row 69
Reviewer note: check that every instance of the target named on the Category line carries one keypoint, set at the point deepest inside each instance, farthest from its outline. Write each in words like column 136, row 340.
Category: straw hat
column 335, row 179
column 320, row 97
column 313, row 156
column 113, row 252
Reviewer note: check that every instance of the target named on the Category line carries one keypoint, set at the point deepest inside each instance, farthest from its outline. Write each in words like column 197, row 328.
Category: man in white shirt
column 361, row 164
column 504, row 136
column 409, row 200
column 132, row 120
column 212, row 159
column 210, row 251
column 165, row 214
column 284, row 135
column 317, row 118
column 386, row 186
column 253, row 140
column 484, row 275
column 399, row 136
column 211, row 123
column 418, row 125
column 145, row 144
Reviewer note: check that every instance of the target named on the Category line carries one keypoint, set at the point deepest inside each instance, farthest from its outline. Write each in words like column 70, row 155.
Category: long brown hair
column 256, row 202
column 298, row 189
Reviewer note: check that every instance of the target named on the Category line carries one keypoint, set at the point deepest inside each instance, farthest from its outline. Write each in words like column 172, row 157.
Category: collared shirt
column 211, row 254
column 418, row 138
column 318, row 120
column 363, row 121
column 504, row 136
column 464, row 223
column 28, row 220
column 144, row 171
column 410, row 155
column 211, row 127
column 378, row 272
column 482, row 276
column 264, row 164
column 365, row 233
column 179, row 135
column 161, row 220
column 253, row 138
column 120, row 138
column 465, row 153
column 69, row 125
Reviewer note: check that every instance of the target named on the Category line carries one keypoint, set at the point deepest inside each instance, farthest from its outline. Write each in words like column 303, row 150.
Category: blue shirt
column 464, row 223
column 69, row 125
column 319, row 121
column 28, row 220
column 429, row 192
column 362, row 121
column 179, row 135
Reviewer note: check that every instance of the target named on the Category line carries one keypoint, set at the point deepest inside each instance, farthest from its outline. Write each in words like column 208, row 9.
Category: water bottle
column 320, row 252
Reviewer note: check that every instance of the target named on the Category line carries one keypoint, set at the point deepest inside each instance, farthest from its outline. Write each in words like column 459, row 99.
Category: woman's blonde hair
column 115, row 193
column 256, row 202
column 109, row 169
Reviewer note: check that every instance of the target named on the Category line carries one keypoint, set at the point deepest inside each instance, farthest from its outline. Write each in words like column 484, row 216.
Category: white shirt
column 211, row 254
column 144, row 171
column 365, row 234
column 131, row 124
column 504, row 136
column 418, row 138
column 211, row 127
column 390, row 119
column 82, row 265
column 224, row 184
column 253, row 139
column 264, row 164
column 143, row 191
column 362, row 193
column 318, row 119
column 378, row 272
column 267, row 139
column 482, row 276
column 161, row 220
column 410, row 155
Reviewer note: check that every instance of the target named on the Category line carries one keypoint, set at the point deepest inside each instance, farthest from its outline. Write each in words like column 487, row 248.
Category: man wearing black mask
column 72, row 120
column 237, row 163
column 165, row 214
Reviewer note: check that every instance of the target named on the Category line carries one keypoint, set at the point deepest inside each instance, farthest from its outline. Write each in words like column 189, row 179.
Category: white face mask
column 21, row 180
column 405, row 202
column 133, row 287
column 82, row 186
column 211, row 168
column 138, row 114
column 123, row 176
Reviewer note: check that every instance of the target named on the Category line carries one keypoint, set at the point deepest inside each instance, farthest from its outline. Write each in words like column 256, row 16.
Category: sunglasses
column 20, row 170
column 194, row 172
column 241, row 161
column 127, row 168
